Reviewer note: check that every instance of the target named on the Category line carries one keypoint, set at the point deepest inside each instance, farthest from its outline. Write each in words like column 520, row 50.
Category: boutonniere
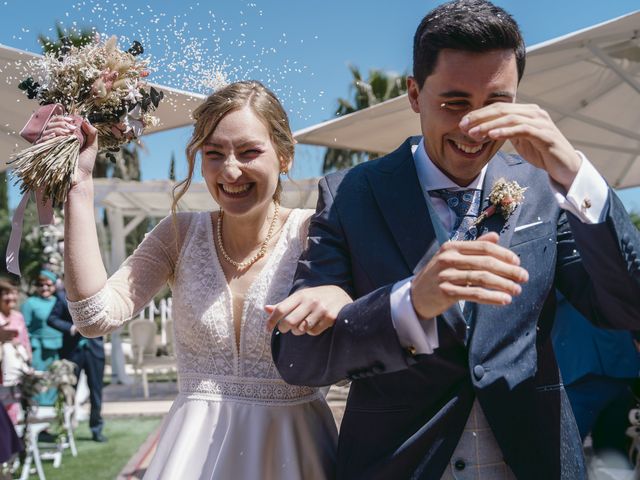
column 503, row 198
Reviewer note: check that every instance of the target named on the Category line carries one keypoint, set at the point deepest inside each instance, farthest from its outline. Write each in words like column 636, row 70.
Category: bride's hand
column 311, row 310
column 62, row 126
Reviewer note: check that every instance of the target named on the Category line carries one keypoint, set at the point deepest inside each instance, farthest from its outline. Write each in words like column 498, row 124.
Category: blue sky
column 300, row 49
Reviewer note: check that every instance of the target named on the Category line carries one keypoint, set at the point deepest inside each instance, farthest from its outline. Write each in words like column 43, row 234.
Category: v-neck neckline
column 237, row 344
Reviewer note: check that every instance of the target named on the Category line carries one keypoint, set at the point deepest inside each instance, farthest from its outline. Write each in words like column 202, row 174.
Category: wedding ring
column 468, row 280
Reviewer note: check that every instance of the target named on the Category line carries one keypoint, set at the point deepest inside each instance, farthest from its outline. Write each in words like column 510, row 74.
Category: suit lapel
column 498, row 167
column 398, row 194
column 400, row 199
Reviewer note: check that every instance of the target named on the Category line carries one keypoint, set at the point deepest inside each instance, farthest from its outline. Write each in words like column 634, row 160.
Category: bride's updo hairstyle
column 236, row 96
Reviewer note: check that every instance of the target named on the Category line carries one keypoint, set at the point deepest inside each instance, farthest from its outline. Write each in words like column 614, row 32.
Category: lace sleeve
column 92, row 311
column 139, row 278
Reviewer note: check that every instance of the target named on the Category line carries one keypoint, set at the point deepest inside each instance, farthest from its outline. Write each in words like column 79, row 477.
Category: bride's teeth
column 233, row 189
column 468, row 148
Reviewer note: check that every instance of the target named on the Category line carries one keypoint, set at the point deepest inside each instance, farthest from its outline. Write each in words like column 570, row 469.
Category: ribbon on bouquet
column 31, row 132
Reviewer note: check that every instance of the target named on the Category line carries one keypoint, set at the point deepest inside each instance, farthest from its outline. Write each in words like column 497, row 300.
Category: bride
column 234, row 416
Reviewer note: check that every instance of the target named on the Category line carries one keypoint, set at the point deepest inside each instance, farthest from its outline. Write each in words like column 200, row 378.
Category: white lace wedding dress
column 234, row 417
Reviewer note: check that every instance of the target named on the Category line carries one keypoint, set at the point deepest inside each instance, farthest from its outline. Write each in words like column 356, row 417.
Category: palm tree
column 66, row 38
column 380, row 86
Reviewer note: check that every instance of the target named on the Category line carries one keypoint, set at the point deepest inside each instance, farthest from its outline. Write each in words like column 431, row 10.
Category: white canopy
column 588, row 80
column 15, row 108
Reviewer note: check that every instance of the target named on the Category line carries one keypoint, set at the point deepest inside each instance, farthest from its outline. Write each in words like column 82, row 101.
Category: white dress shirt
column 588, row 188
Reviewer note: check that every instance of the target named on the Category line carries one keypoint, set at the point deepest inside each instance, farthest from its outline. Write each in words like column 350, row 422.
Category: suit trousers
column 94, row 369
column 477, row 455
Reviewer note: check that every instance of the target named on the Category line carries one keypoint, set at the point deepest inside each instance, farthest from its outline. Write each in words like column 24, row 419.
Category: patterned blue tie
column 466, row 205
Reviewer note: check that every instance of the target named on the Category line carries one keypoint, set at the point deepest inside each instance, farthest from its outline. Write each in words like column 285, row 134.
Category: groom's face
column 461, row 82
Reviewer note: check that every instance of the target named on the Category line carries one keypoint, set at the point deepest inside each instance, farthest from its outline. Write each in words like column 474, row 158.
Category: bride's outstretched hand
column 311, row 310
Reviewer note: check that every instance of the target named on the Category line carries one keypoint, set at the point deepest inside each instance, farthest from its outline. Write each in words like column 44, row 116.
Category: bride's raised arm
column 99, row 305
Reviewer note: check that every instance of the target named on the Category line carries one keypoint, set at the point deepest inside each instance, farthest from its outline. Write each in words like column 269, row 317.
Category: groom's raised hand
column 478, row 271
column 533, row 134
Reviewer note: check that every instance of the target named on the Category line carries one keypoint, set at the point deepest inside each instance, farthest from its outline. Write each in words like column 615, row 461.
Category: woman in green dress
column 45, row 341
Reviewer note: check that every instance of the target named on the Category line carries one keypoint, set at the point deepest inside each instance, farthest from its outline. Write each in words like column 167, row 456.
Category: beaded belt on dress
column 250, row 390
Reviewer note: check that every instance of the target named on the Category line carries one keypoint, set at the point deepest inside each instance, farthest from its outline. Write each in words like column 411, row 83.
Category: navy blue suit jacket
column 405, row 413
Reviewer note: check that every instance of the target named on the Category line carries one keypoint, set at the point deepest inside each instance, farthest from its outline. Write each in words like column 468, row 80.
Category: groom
column 447, row 343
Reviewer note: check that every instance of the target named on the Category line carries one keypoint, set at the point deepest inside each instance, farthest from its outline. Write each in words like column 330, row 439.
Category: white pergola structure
column 588, row 80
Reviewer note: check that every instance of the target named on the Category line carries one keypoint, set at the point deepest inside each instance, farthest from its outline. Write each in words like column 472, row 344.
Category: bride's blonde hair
column 235, row 96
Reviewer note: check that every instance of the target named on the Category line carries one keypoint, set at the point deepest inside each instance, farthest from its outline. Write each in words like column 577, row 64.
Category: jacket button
column 478, row 372
column 459, row 465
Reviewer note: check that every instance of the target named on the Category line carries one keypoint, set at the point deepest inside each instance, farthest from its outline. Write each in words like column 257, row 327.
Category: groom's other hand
column 532, row 133
column 311, row 310
column 478, row 271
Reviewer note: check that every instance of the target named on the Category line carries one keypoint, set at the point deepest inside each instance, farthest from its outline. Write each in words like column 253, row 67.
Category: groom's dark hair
column 470, row 25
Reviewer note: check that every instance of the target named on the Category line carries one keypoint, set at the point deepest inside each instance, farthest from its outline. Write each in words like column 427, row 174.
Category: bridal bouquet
column 97, row 82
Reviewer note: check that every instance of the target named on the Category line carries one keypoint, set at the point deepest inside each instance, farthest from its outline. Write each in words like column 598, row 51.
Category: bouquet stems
column 50, row 166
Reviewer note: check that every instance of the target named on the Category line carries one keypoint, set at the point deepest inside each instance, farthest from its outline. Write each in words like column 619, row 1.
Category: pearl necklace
column 263, row 248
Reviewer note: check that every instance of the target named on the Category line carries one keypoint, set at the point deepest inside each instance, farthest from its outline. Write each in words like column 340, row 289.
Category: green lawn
column 103, row 461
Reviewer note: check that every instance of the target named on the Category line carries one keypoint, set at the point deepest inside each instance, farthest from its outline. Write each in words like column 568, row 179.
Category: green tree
column 66, row 38
column 377, row 88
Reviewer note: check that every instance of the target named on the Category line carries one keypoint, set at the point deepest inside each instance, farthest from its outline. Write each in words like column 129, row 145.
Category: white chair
column 143, row 344
column 32, row 455
column 48, row 415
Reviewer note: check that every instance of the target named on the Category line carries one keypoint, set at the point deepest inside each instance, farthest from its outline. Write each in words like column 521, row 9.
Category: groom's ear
column 413, row 90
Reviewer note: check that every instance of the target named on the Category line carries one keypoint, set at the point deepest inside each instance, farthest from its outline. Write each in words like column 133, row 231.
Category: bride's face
column 239, row 163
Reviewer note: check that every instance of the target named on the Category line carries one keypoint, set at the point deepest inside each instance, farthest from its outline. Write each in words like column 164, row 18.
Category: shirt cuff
column 419, row 336
column 588, row 197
